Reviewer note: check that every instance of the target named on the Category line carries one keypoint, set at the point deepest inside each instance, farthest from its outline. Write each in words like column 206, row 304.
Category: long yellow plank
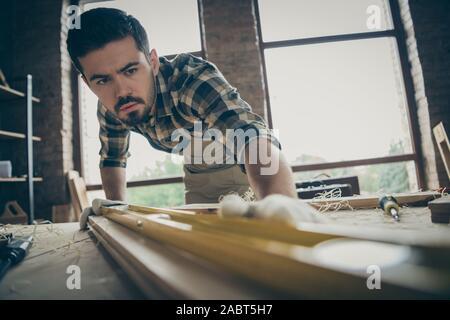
column 282, row 266
column 305, row 234
column 249, row 227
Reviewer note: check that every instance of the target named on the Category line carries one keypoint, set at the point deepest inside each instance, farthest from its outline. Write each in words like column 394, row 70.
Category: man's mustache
column 125, row 100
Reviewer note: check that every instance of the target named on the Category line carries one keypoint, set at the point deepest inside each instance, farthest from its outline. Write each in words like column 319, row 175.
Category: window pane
column 338, row 101
column 167, row 195
column 169, row 30
column 179, row 33
column 373, row 179
column 290, row 19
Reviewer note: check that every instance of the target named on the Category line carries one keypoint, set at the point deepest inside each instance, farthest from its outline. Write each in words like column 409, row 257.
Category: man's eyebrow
column 98, row 76
column 101, row 76
column 131, row 64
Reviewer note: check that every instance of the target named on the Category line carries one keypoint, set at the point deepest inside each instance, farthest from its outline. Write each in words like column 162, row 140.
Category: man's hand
column 95, row 210
column 276, row 207
column 114, row 183
column 267, row 170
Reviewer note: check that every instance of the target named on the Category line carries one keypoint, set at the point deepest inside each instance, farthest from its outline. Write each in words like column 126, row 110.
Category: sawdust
column 46, row 238
column 248, row 196
column 334, row 205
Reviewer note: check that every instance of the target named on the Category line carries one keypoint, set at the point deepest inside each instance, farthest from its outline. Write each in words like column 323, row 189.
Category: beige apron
column 207, row 187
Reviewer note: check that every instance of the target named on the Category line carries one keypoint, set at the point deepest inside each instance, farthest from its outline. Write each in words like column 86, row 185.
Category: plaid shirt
column 189, row 89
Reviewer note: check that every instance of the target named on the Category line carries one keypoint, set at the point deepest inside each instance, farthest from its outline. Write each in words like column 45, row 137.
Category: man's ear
column 154, row 61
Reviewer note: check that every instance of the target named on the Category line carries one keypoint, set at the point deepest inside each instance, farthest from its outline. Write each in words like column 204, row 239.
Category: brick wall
column 5, row 39
column 428, row 39
column 231, row 42
column 38, row 48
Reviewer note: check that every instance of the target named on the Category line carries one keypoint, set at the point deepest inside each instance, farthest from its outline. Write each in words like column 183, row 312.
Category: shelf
column 12, row 135
column 17, row 179
column 8, row 94
column 27, row 100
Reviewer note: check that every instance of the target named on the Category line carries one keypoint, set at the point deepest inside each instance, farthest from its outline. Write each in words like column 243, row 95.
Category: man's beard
column 136, row 117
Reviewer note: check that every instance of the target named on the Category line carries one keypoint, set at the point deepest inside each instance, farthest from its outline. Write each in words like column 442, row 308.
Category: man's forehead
column 112, row 57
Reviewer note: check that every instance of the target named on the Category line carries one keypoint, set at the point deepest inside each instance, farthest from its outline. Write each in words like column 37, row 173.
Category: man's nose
column 122, row 89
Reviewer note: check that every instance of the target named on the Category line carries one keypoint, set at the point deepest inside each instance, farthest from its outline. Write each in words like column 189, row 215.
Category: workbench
column 42, row 275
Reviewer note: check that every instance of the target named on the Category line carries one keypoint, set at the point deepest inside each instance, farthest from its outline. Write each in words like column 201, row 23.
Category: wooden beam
column 163, row 272
column 355, row 202
column 443, row 144
column 289, row 268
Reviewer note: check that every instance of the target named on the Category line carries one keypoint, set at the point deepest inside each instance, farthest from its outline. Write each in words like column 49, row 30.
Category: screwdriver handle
column 390, row 206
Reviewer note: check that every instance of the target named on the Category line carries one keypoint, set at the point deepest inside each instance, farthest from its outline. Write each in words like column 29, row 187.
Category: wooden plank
column 440, row 210
column 78, row 193
column 443, row 144
column 355, row 202
column 164, row 272
column 81, row 192
column 292, row 269
column 306, row 234
column 199, row 207
column 71, row 176
column 365, row 202
column 249, row 227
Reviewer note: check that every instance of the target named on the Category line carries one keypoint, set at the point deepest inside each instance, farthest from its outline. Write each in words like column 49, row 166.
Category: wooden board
column 305, row 234
column 285, row 267
column 355, row 202
column 443, row 144
column 440, row 210
column 163, row 272
column 78, row 193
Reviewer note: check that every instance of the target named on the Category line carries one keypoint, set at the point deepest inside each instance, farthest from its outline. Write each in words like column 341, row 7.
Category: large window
column 337, row 95
column 170, row 32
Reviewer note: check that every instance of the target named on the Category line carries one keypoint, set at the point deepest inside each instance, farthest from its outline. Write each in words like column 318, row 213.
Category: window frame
column 398, row 34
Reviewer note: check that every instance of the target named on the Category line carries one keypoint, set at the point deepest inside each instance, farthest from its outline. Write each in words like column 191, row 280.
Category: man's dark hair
column 101, row 26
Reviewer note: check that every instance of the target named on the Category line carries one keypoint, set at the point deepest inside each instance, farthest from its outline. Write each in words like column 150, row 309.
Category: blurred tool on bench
column 390, row 206
column 347, row 186
column 13, row 253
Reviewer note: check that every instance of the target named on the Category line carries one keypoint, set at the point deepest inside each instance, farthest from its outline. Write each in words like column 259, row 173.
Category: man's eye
column 131, row 71
column 102, row 81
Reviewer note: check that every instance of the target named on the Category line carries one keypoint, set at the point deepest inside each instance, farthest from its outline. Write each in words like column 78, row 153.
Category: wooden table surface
column 42, row 275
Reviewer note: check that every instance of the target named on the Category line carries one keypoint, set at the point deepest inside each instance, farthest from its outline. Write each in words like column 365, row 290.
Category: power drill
column 14, row 252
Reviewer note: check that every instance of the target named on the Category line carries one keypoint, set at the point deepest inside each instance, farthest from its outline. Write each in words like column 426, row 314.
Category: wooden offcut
column 78, row 193
column 13, row 214
column 443, row 144
column 440, row 210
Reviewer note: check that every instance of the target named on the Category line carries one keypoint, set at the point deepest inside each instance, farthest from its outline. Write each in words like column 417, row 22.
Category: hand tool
column 13, row 253
column 390, row 206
